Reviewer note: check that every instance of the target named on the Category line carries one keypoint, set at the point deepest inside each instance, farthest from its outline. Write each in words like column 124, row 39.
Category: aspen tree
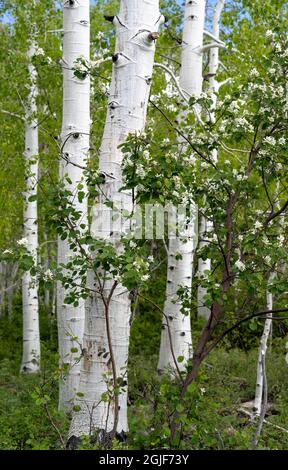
column 267, row 331
column 258, row 401
column 31, row 335
column 106, row 335
column 206, row 226
column 176, row 337
column 75, row 148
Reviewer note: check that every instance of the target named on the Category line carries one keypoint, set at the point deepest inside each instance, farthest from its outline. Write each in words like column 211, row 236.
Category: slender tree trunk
column 262, row 353
column 176, row 327
column 206, row 226
column 106, row 336
column 46, row 265
column 75, row 147
column 10, row 295
column 31, row 335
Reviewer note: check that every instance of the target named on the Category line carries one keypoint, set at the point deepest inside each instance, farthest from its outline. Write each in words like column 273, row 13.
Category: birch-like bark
column 267, row 331
column 75, row 147
column 127, row 107
column 206, row 226
column 262, row 352
column 31, row 335
column 176, row 337
column 46, row 265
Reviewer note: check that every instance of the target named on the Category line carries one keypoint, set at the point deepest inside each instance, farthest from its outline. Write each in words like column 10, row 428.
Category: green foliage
column 29, row 407
column 211, row 416
column 250, row 136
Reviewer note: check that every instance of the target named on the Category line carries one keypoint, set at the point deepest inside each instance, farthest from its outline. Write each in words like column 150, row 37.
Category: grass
column 29, row 418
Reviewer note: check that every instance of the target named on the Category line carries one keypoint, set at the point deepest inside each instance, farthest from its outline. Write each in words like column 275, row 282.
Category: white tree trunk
column 262, row 352
column 128, row 98
column 31, row 336
column 75, row 147
column 176, row 337
column 206, row 226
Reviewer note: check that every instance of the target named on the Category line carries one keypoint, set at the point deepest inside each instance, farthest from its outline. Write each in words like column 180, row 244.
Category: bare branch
column 9, row 113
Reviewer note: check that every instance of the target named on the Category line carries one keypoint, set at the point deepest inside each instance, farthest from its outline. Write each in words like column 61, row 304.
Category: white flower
column 48, row 275
column 270, row 140
column 202, row 390
column 136, row 265
column 239, row 265
column 23, row 242
column 171, row 107
column 282, row 141
column 146, row 154
column 269, row 33
column 254, row 73
column 145, row 277
column 258, row 225
column 267, row 259
column 140, row 171
column 150, row 259
column 132, row 244
column 278, row 47
column 7, row 252
column 233, row 106
column 39, row 51
column 243, row 123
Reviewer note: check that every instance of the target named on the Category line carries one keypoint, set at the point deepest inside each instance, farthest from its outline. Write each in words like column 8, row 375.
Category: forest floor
column 29, row 418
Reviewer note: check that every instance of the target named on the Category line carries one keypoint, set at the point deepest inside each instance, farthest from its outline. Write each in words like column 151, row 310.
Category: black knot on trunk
column 154, row 36
column 109, row 18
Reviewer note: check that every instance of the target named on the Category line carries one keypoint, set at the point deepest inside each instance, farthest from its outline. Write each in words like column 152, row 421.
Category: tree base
column 102, row 438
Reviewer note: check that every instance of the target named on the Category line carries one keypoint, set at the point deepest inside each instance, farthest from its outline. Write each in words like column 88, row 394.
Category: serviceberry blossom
column 146, row 154
column 239, row 265
column 254, row 73
column 39, row 51
column 7, row 252
column 23, row 242
column 270, row 140
column 48, row 275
